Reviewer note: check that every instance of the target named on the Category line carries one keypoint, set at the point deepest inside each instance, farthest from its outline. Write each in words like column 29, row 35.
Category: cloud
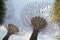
column 20, row 37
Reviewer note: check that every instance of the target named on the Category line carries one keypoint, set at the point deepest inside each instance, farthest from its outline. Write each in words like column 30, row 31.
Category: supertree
column 37, row 15
column 11, row 30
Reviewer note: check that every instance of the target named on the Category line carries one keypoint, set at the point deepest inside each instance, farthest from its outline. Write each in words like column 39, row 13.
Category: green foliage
column 56, row 12
column 2, row 13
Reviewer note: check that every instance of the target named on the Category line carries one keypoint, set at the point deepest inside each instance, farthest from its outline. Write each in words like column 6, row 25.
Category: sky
column 25, row 32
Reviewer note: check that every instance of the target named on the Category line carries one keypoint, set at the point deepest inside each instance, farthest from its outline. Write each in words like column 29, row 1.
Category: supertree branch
column 2, row 9
column 38, row 24
column 11, row 30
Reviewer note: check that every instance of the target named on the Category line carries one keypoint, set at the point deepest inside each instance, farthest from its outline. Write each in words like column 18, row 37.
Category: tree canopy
column 2, row 9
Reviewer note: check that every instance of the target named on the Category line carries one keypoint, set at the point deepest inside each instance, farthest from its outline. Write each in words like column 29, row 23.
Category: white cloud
column 20, row 37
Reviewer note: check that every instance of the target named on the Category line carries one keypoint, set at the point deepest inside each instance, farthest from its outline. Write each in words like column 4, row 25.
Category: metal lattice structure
column 9, row 13
column 34, row 9
column 9, row 9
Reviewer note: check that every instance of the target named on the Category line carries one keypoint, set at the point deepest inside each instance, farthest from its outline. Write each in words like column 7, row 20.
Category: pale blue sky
column 18, row 5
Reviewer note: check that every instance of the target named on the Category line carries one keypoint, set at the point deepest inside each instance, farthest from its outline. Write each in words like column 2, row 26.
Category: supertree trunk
column 6, row 37
column 34, row 35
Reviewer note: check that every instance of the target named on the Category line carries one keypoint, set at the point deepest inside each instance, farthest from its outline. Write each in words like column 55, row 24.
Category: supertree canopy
column 37, row 15
column 11, row 30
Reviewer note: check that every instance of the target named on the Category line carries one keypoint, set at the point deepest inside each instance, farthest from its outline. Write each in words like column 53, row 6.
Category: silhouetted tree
column 2, row 11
